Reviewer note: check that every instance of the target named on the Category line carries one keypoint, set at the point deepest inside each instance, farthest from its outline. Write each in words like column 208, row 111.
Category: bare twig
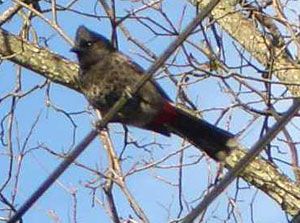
column 53, row 177
column 53, row 24
column 9, row 13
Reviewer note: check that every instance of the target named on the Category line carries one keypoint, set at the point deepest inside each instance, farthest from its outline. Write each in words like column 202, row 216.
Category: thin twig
column 53, row 177
column 9, row 13
column 53, row 24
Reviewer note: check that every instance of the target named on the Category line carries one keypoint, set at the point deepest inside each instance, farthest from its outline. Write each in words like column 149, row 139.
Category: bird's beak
column 75, row 49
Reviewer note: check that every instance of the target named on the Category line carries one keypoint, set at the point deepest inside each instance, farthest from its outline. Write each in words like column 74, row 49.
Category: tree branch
column 259, row 173
column 39, row 60
column 242, row 163
column 262, row 48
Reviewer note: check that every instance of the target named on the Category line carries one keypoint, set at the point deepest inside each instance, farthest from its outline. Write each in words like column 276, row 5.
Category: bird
column 104, row 75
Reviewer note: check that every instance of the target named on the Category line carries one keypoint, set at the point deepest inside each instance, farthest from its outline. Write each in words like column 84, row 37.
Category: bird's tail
column 216, row 142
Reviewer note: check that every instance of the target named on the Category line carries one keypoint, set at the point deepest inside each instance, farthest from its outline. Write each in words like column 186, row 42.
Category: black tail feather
column 216, row 142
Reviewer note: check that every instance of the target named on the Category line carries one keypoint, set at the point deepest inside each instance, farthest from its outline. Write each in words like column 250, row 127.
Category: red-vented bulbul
column 104, row 75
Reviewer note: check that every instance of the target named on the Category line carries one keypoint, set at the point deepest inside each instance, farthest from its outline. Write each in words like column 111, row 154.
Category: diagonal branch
column 243, row 163
column 262, row 48
column 56, row 173
column 39, row 60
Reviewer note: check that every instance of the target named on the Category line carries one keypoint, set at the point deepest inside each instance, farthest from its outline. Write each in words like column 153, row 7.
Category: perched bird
column 105, row 73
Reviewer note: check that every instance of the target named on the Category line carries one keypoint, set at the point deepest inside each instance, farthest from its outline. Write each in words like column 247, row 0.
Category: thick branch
column 40, row 60
column 260, row 173
column 243, row 30
column 266, row 177
column 243, row 163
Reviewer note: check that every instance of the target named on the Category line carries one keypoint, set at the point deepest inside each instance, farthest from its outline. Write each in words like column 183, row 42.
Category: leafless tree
column 239, row 69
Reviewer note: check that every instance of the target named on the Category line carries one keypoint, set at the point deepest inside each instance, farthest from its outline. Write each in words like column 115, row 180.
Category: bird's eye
column 86, row 44
column 89, row 43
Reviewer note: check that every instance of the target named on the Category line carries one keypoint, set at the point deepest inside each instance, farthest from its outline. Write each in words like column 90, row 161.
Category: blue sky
column 54, row 130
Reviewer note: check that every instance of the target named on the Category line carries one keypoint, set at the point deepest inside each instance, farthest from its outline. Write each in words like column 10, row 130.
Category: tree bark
column 265, row 49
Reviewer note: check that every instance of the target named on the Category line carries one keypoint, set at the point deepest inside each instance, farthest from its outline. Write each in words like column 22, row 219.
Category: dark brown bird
column 105, row 73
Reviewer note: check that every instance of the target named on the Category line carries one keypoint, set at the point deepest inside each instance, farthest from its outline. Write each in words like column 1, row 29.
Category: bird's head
column 90, row 47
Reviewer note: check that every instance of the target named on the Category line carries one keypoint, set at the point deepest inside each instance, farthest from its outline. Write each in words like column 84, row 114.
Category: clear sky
column 155, row 189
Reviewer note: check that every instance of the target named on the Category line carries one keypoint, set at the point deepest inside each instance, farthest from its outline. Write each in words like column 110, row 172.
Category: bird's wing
column 140, row 70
